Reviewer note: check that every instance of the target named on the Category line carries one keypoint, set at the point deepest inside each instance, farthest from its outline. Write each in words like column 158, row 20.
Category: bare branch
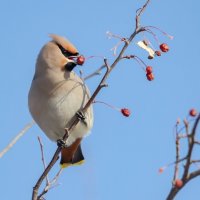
column 177, row 157
column 43, row 159
column 191, row 142
column 50, row 185
column 97, row 72
column 193, row 175
column 16, row 138
column 186, row 124
column 195, row 161
column 141, row 10
column 139, row 13
column 187, row 176
column 197, row 142
column 55, row 179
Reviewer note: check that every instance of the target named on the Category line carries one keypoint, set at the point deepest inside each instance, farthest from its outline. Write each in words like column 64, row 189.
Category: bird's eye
column 64, row 51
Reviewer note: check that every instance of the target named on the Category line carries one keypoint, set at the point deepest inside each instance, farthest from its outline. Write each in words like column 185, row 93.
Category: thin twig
column 139, row 13
column 96, row 72
column 183, row 127
column 186, row 124
column 191, row 138
column 43, row 159
column 50, row 184
column 176, row 170
column 16, row 138
column 194, row 161
column 197, row 142
column 141, row 10
column 55, row 179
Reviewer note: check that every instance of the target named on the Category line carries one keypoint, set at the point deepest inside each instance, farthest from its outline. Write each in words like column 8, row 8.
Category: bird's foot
column 81, row 115
column 61, row 143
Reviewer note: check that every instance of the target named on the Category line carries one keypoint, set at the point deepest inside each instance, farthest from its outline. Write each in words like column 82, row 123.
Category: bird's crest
column 66, row 44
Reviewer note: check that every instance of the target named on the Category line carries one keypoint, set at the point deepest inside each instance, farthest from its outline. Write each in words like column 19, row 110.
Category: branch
column 16, row 138
column 139, row 12
column 101, row 85
column 191, row 143
column 97, row 72
column 177, row 157
column 43, row 159
column 187, row 176
column 50, row 184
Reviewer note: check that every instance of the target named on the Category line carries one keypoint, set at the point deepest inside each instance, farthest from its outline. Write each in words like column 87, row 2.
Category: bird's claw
column 80, row 115
column 61, row 143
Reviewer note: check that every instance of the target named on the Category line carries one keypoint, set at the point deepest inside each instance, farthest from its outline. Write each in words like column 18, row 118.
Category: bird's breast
column 54, row 108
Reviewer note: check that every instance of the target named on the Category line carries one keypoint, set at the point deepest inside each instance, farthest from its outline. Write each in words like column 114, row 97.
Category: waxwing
column 57, row 94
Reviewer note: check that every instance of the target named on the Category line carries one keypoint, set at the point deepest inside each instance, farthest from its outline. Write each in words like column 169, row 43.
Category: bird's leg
column 81, row 116
column 62, row 142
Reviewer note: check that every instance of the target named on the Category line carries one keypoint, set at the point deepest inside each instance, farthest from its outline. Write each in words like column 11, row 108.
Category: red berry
column 80, row 60
column 150, row 76
column 178, row 183
column 161, row 170
column 164, row 47
column 158, row 53
column 126, row 112
column 193, row 112
column 149, row 69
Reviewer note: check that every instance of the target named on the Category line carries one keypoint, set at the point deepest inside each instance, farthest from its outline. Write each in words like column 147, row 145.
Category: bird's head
column 59, row 54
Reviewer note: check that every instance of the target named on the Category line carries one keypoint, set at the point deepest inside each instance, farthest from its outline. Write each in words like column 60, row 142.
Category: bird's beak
column 74, row 59
column 78, row 59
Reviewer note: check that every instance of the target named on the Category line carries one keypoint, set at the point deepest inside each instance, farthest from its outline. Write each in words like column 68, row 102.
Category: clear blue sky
column 122, row 154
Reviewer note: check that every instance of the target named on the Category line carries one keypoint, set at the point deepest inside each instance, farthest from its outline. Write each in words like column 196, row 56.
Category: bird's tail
column 72, row 155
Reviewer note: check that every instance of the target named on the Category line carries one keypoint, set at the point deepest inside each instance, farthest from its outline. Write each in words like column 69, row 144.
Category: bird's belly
column 56, row 113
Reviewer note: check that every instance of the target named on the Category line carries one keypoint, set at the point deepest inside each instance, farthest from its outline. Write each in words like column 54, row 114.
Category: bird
column 57, row 95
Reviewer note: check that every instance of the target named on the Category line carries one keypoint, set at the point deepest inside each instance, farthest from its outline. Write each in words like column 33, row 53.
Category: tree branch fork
column 187, row 174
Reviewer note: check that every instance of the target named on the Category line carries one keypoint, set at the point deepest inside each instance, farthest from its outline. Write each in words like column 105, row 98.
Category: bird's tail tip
column 65, row 165
column 75, row 160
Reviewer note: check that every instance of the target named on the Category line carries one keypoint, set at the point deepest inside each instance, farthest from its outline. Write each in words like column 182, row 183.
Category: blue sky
column 122, row 154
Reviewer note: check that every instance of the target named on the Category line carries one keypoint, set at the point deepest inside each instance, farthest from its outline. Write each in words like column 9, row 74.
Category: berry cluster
column 149, row 73
column 146, row 45
column 163, row 47
column 149, row 70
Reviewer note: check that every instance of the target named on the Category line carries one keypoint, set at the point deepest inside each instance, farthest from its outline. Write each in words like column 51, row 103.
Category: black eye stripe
column 65, row 52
